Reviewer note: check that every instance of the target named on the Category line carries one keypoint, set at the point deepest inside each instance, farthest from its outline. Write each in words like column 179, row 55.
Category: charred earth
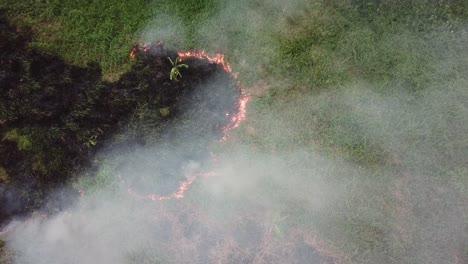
column 54, row 117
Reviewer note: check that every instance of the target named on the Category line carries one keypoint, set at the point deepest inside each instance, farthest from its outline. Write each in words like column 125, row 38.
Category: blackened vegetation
column 54, row 116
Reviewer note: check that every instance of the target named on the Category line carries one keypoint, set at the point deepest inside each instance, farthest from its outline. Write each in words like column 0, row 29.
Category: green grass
column 105, row 31
column 380, row 85
column 84, row 31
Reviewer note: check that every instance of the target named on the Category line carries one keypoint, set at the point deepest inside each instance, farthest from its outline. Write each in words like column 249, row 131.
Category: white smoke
column 287, row 172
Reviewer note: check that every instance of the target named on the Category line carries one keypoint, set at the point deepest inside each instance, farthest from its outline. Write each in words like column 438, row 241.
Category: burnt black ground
column 55, row 117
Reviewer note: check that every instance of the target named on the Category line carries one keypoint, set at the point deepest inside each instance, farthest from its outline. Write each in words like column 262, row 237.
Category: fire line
column 234, row 122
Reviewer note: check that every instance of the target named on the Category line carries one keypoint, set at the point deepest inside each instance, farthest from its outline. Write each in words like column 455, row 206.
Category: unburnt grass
column 184, row 234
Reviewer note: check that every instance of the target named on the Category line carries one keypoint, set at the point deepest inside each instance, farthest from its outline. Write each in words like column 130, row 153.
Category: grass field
column 363, row 103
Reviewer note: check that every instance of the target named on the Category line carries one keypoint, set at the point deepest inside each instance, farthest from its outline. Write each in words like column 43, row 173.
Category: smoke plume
column 286, row 186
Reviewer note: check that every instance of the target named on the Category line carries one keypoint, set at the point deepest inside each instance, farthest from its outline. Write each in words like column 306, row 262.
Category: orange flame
column 133, row 51
column 183, row 187
column 145, row 47
column 216, row 59
column 238, row 118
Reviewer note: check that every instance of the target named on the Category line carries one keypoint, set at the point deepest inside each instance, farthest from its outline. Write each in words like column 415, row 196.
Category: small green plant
column 91, row 141
column 175, row 73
